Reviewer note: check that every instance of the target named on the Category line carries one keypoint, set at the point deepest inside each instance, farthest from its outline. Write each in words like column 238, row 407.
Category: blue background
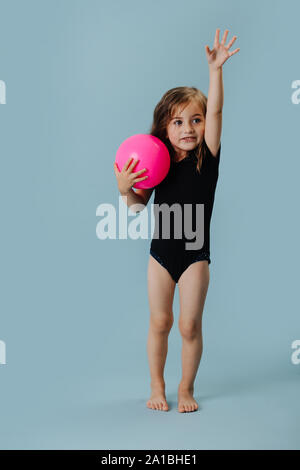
column 81, row 77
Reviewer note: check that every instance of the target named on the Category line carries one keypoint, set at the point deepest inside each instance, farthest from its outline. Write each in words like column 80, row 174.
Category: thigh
column 193, row 287
column 161, row 288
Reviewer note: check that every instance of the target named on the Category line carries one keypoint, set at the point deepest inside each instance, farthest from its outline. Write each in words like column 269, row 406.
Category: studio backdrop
column 77, row 78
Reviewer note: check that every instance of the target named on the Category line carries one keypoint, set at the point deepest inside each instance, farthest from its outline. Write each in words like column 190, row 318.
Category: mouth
column 189, row 139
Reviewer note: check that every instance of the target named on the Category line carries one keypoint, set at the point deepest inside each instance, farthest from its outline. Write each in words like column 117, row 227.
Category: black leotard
column 184, row 185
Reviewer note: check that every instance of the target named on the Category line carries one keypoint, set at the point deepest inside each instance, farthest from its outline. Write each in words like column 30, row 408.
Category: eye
column 196, row 119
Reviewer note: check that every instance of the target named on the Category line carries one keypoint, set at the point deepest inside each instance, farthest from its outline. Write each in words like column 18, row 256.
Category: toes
column 157, row 405
column 187, row 407
column 164, row 406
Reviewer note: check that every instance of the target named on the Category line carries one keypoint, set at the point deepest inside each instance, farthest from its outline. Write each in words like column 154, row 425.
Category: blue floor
column 258, row 410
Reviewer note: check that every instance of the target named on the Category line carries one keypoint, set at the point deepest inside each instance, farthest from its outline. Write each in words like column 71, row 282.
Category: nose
column 188, row 129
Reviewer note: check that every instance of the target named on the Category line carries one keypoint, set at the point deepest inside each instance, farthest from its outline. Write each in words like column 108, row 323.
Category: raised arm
column 216, row 58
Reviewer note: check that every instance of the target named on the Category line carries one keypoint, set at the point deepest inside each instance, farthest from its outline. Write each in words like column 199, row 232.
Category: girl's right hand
column 125, row 178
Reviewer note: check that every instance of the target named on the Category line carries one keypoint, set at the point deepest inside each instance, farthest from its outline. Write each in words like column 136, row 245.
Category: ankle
column 157, row 383
column 185, row 387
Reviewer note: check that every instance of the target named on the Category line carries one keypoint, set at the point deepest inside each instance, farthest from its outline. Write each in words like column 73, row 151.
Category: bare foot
column 186, row 401
column 158, row 401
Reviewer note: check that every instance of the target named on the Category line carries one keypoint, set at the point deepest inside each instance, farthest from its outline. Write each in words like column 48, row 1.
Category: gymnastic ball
column 152, row 154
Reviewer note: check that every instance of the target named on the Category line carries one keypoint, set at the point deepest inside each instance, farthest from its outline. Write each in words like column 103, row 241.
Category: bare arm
column 213, row 120
column 145, row 194
column 130, row 198
column 139, row 196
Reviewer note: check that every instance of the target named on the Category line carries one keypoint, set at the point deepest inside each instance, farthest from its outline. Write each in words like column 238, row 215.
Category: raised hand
column 220, row 53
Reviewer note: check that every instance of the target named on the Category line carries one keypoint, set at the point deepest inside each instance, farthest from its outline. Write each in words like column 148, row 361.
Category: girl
column 190, row 126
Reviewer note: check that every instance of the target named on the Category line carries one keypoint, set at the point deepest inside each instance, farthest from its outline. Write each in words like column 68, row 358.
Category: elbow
column 137, row 208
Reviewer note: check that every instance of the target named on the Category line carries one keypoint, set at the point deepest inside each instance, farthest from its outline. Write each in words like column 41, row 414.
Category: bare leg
column 193, row 286
column 161, row 294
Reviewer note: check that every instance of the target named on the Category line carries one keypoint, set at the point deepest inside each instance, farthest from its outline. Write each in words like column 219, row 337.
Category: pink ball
column 152, row 154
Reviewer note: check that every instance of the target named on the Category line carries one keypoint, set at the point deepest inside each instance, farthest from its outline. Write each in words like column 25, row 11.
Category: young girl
column 190, row 126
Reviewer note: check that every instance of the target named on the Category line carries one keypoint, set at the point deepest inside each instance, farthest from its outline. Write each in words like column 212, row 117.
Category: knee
column 161, row 323
column 189, row 329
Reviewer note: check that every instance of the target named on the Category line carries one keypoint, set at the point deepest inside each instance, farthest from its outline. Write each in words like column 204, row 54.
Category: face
column 187, row 122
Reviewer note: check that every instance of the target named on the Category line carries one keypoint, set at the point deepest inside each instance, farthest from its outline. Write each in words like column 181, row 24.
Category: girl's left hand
column 220, row 52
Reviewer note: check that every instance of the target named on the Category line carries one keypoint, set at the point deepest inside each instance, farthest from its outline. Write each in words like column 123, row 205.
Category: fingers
column 126, row 164
column 233, row 52
column 125, row 167
column 140, row 179
column 140, row 171
column 224, row 36
column 116, row 169
column 134, row 162
column 231, row 42
column 216, row 41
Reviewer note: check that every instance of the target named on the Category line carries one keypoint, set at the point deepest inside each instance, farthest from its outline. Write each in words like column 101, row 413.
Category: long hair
column 163, row 113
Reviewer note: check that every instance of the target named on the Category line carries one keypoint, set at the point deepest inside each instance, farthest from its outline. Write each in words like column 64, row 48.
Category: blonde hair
column 163, row 113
